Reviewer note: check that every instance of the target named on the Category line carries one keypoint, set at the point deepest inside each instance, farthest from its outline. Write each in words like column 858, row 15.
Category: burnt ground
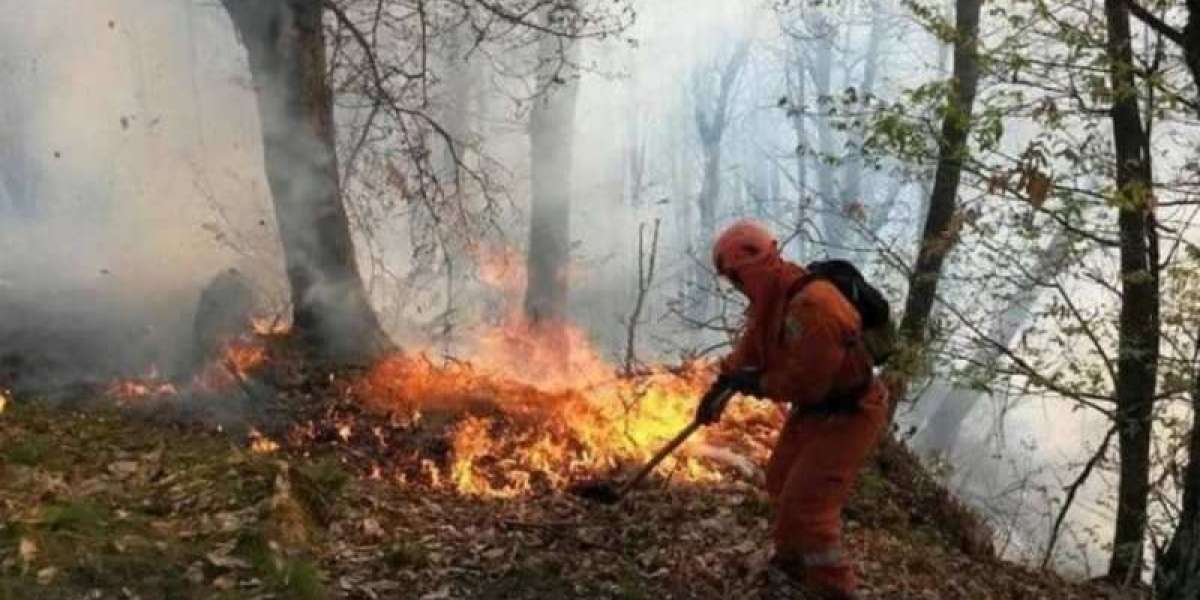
column 102, row 503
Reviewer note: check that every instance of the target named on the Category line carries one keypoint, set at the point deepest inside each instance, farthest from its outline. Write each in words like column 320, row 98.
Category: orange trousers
column 809, row 478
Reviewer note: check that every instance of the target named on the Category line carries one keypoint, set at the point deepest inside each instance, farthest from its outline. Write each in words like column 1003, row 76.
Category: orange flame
column 542, row 408
column 238, row 358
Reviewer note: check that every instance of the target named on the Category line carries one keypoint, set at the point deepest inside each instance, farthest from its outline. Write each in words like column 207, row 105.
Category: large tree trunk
column 285, row 46
column 550, row 136
column 939, row 233
column 1138, row 335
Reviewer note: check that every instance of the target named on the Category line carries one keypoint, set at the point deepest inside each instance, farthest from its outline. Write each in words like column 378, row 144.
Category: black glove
column 747, row 382
column 713, row 404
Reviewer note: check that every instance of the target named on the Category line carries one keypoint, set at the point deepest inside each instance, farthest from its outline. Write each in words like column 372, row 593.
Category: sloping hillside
column 100, row 505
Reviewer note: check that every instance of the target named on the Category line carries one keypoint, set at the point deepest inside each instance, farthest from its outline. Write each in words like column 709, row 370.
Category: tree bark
column 551, row 125
column 285, row 48
column 1138, row 335
column 1177, row 571
column 939, row 233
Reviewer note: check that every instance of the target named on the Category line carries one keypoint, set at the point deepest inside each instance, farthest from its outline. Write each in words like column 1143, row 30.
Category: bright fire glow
column 543, row 409
column 237, row 359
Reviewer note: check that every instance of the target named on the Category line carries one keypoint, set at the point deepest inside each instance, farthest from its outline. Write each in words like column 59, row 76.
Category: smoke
column 137, row 165
column 131, row 173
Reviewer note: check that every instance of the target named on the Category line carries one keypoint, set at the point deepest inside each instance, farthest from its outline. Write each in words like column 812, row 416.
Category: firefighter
column 802, row 345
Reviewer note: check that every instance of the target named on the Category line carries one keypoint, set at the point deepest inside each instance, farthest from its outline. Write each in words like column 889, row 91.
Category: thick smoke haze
column 139, row 175
column 131, row 172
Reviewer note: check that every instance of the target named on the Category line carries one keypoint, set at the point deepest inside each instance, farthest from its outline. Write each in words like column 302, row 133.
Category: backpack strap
column 846, row 402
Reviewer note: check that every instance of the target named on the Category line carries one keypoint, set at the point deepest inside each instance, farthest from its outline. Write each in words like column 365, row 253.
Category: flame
column 238, row 358
column 531, row 408
column 538, row 408
column 149, row 386
column 514, row 438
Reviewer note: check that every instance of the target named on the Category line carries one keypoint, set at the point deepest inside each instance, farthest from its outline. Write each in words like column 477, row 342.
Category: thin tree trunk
column 551, row 125
column 942, row 429
column 800, row 104
column 712, row 117
column 1138, row 335
column 284, row 43
column 939, row 233
column 853, row 173
column 832, row 223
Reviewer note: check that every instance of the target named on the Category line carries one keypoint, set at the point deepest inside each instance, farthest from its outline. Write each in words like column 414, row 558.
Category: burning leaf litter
column 192, row 515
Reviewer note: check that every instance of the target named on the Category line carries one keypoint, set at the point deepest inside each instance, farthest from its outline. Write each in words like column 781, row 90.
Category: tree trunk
column 832, row 223
column 939, row 233
column 1138, row 335
column 712, row 117
column 800, row 104
column 551, row 125
column 284, row 43
column 710, row 188
column 853, row 172
column 1191, row 38
column 941, row 431
column 1177, row 570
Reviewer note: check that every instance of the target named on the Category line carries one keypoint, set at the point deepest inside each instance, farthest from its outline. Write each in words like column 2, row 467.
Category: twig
column 645, row 278
column 1071, row 491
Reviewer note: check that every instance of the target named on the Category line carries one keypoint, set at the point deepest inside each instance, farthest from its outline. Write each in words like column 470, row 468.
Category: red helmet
column 743, row 243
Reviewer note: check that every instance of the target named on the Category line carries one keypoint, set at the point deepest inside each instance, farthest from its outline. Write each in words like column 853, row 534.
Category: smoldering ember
column 441, row 299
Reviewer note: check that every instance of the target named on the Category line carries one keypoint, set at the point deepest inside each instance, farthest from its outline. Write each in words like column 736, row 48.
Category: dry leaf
column 998, row 182
column 195, row 573
column 371, row 528
column 1037, row 187
column 224, row 583
column 27, row 550
column 123, row 468
column 46, row 576
column 226, row 561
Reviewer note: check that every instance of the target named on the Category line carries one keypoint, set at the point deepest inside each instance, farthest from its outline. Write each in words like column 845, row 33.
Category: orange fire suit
column 808, row 346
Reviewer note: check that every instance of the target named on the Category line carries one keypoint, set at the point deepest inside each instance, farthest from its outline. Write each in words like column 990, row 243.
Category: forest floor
column 100, row 504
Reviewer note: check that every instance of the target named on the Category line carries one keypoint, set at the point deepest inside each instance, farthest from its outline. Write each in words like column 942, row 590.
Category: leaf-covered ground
column 99, row 505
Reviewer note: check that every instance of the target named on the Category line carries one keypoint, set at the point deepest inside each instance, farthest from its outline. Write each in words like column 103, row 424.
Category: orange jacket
column 808, row 348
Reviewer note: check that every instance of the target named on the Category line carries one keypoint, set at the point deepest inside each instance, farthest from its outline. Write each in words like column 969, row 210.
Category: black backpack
column 879, row 332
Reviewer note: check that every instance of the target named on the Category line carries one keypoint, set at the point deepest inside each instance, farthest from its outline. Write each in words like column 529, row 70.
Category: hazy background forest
column 600, row 149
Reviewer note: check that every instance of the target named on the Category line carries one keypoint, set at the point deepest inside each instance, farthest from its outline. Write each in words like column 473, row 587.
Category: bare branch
column 1074, row 489
column 1155, row 23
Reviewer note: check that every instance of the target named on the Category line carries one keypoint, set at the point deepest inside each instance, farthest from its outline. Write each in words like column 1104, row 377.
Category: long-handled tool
column 606, row 492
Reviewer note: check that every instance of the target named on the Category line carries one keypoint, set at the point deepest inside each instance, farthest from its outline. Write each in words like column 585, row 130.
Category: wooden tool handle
column 662, row 454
